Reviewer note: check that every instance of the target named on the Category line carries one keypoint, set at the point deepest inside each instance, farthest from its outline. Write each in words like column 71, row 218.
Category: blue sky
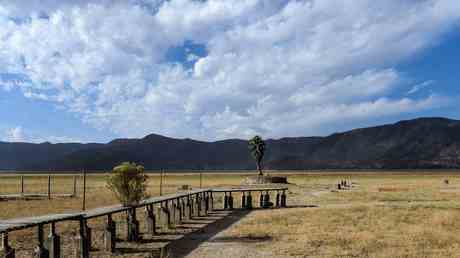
column 92, row 71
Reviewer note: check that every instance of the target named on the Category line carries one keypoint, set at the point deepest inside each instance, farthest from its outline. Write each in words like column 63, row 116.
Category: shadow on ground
column 189, row 235
column 183, row 246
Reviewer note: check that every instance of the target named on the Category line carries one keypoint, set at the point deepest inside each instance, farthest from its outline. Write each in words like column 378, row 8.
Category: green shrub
column 128, row 182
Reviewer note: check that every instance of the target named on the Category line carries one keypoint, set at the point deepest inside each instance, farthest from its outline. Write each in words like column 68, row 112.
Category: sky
column 95, row 70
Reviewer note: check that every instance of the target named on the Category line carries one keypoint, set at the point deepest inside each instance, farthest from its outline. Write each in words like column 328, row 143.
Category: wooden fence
column 160, row 211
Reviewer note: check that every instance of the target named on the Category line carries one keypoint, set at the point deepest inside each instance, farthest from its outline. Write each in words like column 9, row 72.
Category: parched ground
column 382, row 215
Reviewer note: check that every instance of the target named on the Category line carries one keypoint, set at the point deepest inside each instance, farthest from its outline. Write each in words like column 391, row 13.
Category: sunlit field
column 384, row 214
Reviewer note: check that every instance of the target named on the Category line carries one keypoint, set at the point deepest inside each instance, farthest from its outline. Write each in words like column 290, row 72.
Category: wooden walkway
column 162, row 210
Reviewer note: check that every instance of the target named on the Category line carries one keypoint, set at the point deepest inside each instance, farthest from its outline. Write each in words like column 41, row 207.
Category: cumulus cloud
column 15, row 134
column 278, row 68
column 19, row 134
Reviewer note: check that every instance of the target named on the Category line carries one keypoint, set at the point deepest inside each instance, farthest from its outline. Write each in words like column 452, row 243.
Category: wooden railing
column 170, row 209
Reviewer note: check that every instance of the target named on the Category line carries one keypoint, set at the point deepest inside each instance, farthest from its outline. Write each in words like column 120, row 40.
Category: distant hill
column 418, row 143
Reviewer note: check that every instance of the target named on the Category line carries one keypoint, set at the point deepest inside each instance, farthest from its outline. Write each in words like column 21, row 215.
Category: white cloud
column 15, row 134
column 280, row 68
column 18, row 134
column 416, row 88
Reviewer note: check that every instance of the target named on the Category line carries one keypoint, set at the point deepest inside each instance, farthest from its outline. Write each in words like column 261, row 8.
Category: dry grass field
column 404, row 214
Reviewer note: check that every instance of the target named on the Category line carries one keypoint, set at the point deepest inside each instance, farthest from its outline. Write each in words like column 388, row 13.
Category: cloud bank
column 276, row 68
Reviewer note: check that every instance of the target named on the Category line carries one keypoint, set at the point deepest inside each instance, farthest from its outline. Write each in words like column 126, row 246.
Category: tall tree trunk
column 259, row 168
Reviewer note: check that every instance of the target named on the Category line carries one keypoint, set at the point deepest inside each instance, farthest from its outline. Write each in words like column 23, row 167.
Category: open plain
column 383, row 214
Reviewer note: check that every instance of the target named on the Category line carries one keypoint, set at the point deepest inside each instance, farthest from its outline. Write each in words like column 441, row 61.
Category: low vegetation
column 129, row 183
column 382, row 215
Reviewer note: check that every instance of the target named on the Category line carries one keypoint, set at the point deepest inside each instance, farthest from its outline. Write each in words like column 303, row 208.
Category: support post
column 178, row 211
column 150, row 220
column 49, row 187
column 283, row 199
column 261, row 199
column 74, row 192
column 212, row 202
column 173, row 212
column 278, row 196
column 249, row 201
column 40, row 251
column 189, row 207
column 206, row 202
column 266, row 200
column 84, row 190
column 133, row 226
column 5, row 249
column 225, row 201
column 22, row 185
column 198, row 205
column 161, row 182
column 110, row 234
column 81, row 248
column 243, row 200
column 54, row 242
column 230, row 201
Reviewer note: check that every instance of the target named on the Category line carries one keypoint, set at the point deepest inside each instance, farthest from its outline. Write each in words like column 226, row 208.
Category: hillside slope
column 418, row 143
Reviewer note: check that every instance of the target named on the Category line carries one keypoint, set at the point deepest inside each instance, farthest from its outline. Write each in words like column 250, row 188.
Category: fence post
column 84, row 190
column 74, row 194
column 161, row 182
column 22, row 184
column 49, row 187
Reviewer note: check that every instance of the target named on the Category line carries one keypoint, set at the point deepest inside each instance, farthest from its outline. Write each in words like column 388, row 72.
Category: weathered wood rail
column 162, row 211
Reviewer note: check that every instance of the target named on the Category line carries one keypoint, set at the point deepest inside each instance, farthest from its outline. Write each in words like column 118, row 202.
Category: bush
column 129, row 183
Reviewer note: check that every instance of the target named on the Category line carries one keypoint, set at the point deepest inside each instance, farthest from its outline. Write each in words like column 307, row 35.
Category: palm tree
column 257, row 148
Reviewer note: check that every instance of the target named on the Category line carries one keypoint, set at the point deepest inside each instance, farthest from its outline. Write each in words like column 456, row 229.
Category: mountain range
column 418, row 143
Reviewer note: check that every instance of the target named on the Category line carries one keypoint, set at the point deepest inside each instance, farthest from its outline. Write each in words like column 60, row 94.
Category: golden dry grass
column 415, row 215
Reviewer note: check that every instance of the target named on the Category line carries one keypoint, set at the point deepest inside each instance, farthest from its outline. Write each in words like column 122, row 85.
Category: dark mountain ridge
column 418, row 143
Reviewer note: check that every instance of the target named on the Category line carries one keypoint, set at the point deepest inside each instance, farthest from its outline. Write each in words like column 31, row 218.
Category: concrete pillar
column 206, row 202
column 164, row 215
column 283, row 199
column 133, row 226
column 266, row 200
column 230, row 201
column 261, row 200
column 278, row 196
column 173, row 210
column 5, row 249
column 190, row 207
column 178, row 211
column 40, row 250
column 212, row 201
column 150, row 220
column 54, row 242
column 202, row 204
column 197, row 208
column 183, row 207
column 249, row 201
column 225, row 201
column 110, row 234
